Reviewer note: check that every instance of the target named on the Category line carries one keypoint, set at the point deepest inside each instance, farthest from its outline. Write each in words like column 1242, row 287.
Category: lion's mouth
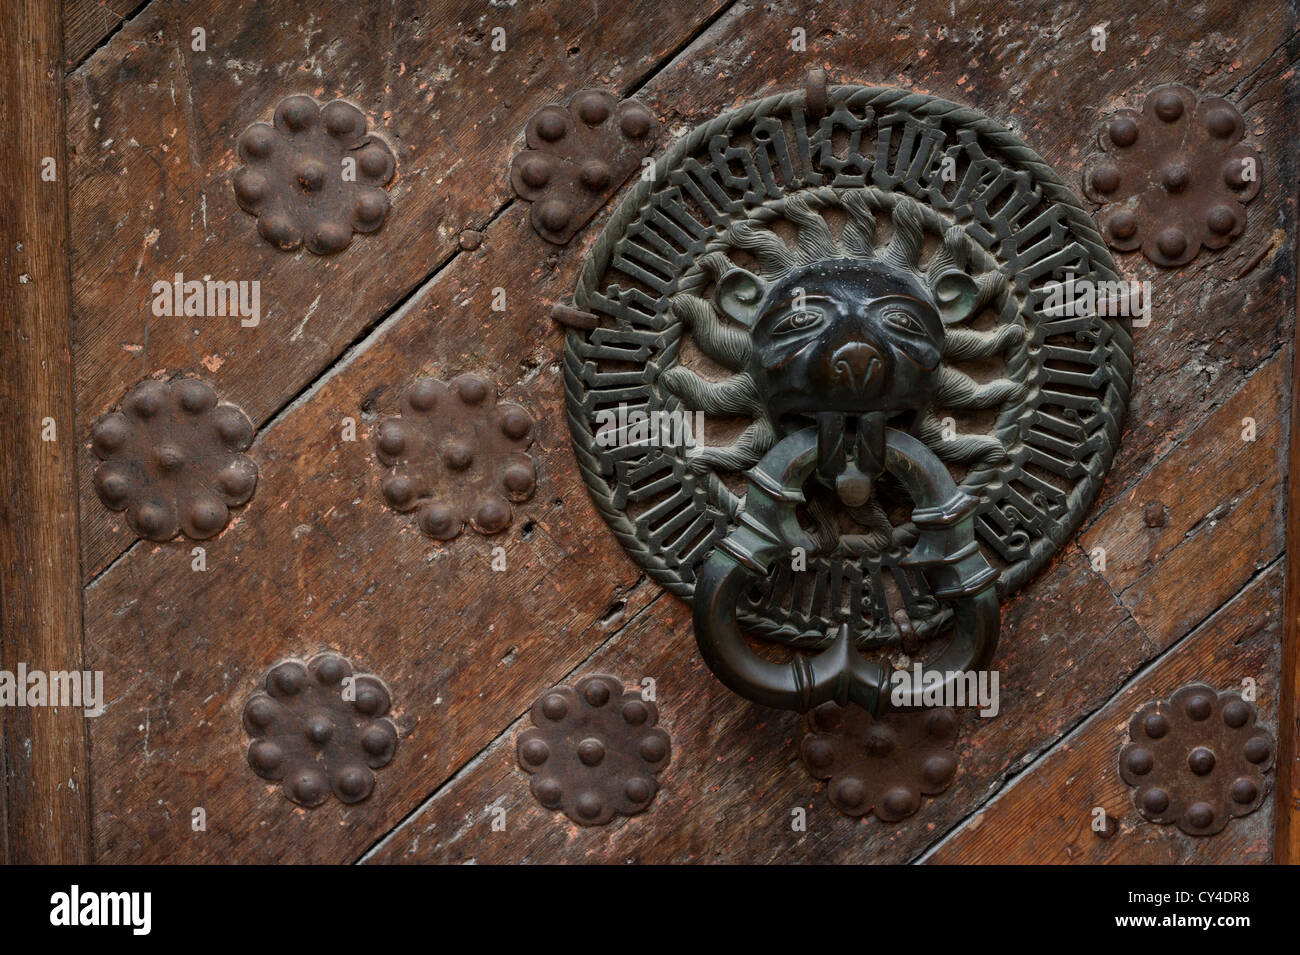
column 850, row 448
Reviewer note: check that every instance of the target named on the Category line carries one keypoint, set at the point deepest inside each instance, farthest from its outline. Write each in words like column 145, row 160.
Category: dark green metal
column 768, row 531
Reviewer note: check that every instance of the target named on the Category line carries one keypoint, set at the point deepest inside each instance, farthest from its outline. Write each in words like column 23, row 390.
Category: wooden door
column 143, row 118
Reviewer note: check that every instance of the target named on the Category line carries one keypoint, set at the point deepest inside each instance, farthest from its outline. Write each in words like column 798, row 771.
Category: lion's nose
column 858, row 362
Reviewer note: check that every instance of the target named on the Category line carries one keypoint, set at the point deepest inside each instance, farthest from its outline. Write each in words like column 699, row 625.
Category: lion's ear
column 737, row 296
column 955, row 293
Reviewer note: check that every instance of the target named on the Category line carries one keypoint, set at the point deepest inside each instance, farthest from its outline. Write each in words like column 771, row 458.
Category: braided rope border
column 1009, row 148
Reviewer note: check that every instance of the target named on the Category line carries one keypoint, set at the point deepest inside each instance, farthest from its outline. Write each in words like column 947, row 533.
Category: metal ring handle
column 768, row 529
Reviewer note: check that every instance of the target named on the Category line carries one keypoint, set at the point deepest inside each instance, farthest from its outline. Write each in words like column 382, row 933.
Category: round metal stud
column 456, row 457
column 1168, row 105
column 317, row 733
column 884, row 764
column 551, row 125
column 1139, row 761
column 172, row 459
column 1155, row 801
column 1123, row 131
column 298, row 178
column 591, row 751
column 1196, row 760
column 594, row 750
column 535, row 752
column 1201, row 760
column 577, row 155
column 1173, row 178
column 1105, row 178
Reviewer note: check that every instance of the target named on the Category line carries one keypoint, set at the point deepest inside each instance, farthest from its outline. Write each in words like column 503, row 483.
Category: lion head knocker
column 842, row 348
column 854, row 296
column 845, row 337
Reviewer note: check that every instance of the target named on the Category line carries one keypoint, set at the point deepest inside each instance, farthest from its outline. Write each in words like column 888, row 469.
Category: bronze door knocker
column 855, row 290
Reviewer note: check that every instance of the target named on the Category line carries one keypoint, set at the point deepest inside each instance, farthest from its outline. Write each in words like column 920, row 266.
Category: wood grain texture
column 1045, row 816
column 1224, row 498
column 735, row 775
column 1218, row 319
column 1181, row 350
column 5, row 858
column 87, row 23
column 317, row 561
column 1287, row 840
column 46, row 774
column 152, row 130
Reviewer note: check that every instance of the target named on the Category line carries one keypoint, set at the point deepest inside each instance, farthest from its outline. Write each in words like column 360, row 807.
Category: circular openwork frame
column 1028, row 401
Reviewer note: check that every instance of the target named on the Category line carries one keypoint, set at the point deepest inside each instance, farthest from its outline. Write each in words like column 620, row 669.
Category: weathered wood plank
column 322, row 562
column 46, row 775
column 153, row 125
column 1224, row 500
column 1045, row 816
column 87, row 23
column 735, row 774
column 1287, row 840
column 1215, row 321
column 5, row 858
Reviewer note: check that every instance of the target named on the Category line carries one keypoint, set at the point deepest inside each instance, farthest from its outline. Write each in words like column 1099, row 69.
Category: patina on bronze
column 945, row 550
column 854, row 293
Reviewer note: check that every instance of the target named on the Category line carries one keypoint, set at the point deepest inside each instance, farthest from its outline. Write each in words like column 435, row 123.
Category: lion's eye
column 904, row 321
column 796, row 322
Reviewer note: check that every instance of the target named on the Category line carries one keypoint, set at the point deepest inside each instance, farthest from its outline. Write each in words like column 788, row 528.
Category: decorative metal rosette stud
column 1197, row 759
column 314, row 175
column 318, row 729
column 455, row 456
column 1174, row 177
column 171, row 457
column 594, row 750
column 882, row 765
column 577, row 157
column 1023, row 407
